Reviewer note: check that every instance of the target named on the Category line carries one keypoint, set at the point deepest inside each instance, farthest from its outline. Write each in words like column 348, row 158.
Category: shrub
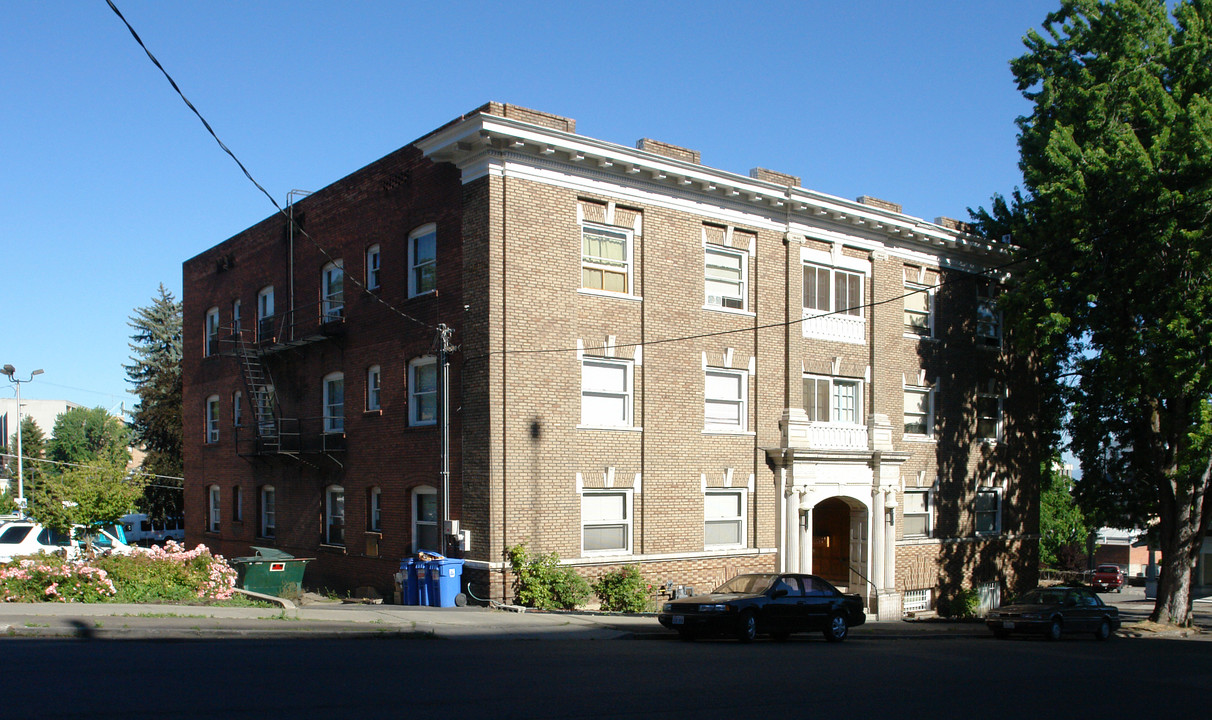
column 624, row 590
column 541, row 582
column 962, row 604
column 51, row 578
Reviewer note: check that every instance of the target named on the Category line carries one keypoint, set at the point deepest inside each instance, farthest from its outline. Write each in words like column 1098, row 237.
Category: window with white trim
column 334, row 403
column 212, row 504
column 269, row 511
column 212, row 333
column 833, row 399
column 727, row 277
column 606, row 254
column 237, row 408
column 334, row 515
column 212, row 419
column 726, row 394
column 606, row 392
column 265, row 313
column 919, row 286
column 989, row 412
column 332, row 289
column 988, row 317
column 832, row 290
column 422, row 260
column 919, row 411
column 373, row 376
column 235, row 315
column 237, row 504
column 423, row 391
column 724, row 518
column 374, row 516
column 605, row 522
column 918, row 513
column 372, row 267
column 425, row 519
column 987, row 511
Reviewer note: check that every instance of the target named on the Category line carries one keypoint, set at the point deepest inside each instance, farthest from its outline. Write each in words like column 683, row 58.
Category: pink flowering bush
column 159, row 574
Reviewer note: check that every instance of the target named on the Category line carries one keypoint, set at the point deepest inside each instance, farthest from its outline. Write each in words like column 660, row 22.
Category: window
column 334, row 515
column 372, row 267
column 834, row 400
column 235, row 315
column 212, row 504
column 725, row 400
column 606, row 392
column 212, row 332
column 919, row 411
column 988, row 511
column 237, row 502
column 269, row 514
column 605, row 522
column 724, row 518
column 425, row 519
column 237, row 408
column 332, row 284
column 726, row 278
column 374, row 512
column 422, row 260
column 988, row 317
column 989, row 412
column 212, row 419
column 334, row 403
column 919, row 310
column 423, row 391
column 846, row 297
column 372, row 387
column 605, row 259
column 919, row 513
column 265, row 314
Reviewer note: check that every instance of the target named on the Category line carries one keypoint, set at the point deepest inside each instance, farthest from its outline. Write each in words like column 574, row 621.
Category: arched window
column 212, row 419
column 374, row 509
column 212, row 508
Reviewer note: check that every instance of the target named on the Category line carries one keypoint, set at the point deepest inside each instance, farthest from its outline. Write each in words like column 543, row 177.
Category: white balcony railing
column 838, row 328
column 836, row 436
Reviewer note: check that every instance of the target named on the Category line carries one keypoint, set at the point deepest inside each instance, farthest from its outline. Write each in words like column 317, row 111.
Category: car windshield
column 1108, row 569
column 1042, row 596
column 746, row 584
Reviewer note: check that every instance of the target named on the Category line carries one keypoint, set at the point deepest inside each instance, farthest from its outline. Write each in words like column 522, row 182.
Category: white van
column 140, row 530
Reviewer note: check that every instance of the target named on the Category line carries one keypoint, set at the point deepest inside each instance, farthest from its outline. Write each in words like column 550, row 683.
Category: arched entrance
column 839, row 542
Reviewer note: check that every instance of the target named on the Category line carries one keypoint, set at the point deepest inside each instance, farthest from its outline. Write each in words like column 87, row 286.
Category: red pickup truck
column 1108, row 577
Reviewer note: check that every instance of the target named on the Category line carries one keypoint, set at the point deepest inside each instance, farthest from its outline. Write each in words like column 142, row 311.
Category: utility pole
column 12, row 377
column 444, row 350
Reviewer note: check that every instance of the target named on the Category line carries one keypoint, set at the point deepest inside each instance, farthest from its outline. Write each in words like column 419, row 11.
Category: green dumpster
column 270, row 572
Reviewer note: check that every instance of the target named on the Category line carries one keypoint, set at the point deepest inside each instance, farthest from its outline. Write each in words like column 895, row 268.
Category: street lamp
column 11, row 372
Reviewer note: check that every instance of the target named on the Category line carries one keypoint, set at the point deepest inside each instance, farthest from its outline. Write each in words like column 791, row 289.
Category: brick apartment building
column 657, row 363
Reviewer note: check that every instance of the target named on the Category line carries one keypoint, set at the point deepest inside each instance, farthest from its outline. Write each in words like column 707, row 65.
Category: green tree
column 155, row 371
column 33, row 449
column 96, row 494
column 1115, row 288
column 1063, row 527
column 88, row 436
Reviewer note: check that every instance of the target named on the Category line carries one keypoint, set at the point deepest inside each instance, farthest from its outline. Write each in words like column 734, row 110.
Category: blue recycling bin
column 409, row 586
column 445, row 581
column 420, row 578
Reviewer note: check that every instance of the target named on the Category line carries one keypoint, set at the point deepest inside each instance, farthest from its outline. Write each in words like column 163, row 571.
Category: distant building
column 659, row 363
column 43, row 412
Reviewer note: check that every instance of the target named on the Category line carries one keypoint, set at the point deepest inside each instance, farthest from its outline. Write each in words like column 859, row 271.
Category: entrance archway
column 831, row 541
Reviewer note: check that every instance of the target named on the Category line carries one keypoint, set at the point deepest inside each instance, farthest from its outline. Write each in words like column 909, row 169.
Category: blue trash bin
column 409, row 586
column 446, row 581
column 420, row 578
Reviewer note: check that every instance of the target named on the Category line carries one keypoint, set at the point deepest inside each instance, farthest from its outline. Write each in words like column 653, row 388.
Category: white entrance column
column 791, row 523
column 889, row 551
column 877, row 538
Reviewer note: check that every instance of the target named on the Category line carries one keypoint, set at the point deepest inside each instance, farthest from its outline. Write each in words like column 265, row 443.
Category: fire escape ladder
column 259, row 384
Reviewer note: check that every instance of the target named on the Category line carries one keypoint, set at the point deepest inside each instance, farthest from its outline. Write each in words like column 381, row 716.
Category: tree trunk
column 1184, row 516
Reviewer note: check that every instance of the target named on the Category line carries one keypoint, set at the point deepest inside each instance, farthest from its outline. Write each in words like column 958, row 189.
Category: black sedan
column 1051, row 611
column 766, row 603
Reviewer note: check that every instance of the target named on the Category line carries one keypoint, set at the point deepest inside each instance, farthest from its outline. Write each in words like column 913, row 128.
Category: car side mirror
column 781, row 592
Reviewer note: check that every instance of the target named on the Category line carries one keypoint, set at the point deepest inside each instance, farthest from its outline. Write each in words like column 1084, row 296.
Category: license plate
column 1008, row 624
column 679, row 620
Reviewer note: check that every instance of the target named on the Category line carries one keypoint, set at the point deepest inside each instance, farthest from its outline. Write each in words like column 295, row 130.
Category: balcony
column 301, row 326
column 836, row 327
column 836, row 436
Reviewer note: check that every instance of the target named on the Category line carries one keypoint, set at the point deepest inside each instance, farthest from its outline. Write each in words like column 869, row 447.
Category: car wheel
column 746, row 626
column 1104, row 630
column 837, row 629
column 1054, row 630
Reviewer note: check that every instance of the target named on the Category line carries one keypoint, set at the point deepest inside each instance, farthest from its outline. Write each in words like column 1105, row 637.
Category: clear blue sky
column 109, row 183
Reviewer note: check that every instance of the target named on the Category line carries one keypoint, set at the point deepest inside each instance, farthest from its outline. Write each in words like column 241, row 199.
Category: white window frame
column 417, row 396
column 626, row 394
column 375, row 509
column 596, row 522
column 237, row 504
column 742, row 502
column 929, row 393
column 991, row 392
column 852, row 309
column 736, row 302
column 334, row 515
column 928, row 514
column 417, row 522
column 269, row 512
column 835, row 382
column 996, row 492
column 334, row 407
column 265, row 312
column 332, row 291
column 374, row 392
column 213, row 515
column 606, row 265
column 417, row 264
column 988, row 316
column 373, row 260
column 741, row 402
column 210, row 341
column 237, row 409
column 916, row 290
column 236, row 311
column 212, row 420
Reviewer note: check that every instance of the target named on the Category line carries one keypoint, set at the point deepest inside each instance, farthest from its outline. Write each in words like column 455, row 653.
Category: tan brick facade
column 564, row 262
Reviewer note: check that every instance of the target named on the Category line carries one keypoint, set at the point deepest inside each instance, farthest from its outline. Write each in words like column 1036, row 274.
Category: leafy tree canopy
column 96, row 494
column 87, row 436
